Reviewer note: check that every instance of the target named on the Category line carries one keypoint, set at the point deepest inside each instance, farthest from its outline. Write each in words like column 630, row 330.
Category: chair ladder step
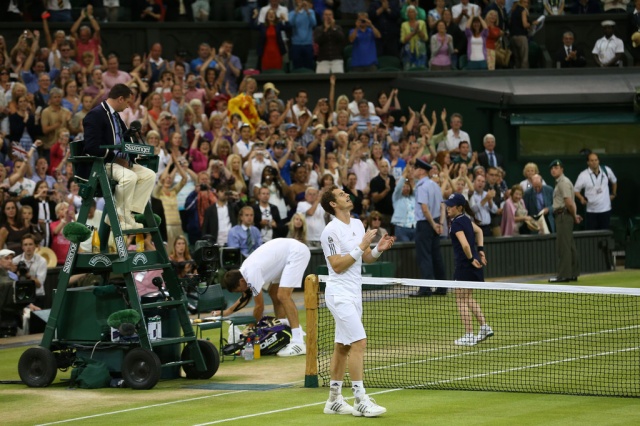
column 165, row 303
column 172, row 341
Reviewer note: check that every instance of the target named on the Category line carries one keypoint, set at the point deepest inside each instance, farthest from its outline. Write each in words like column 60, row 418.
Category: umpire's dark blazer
column 98, row 130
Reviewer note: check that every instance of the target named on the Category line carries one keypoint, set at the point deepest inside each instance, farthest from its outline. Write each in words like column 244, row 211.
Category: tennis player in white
column 278, row 267
column 346, row 245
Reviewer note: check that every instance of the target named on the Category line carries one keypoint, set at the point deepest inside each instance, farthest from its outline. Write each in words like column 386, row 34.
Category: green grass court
column 232, row 396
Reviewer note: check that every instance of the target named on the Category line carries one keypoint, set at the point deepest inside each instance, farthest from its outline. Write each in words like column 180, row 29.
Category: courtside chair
column 212, row 299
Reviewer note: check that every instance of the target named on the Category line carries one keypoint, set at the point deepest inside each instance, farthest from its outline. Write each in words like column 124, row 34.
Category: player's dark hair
column 327, row 198
column 231, row 280
column 119, row 90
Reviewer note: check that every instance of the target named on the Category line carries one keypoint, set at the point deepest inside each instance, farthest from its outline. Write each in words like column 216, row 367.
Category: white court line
column 438, row 382
column 156, row 405
column 499, row 348
column 140, row 408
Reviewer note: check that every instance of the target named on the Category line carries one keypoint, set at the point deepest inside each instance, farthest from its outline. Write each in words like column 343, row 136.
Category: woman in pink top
column 199, row 153
column 441, row 48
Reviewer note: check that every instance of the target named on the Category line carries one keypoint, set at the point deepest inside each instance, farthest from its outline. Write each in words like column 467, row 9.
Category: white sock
column 297, row 335
column 358, row 389
column 284, row 321
column 335, row 390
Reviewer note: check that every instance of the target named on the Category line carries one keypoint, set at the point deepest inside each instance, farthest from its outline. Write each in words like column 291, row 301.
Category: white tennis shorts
column 347, row 313
column 293, row 272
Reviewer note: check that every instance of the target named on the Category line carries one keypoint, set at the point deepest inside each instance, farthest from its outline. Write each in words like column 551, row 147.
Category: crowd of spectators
column 237, row 161
column 392, row 34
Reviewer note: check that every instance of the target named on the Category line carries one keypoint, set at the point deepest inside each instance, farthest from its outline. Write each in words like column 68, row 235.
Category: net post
column 311, row 307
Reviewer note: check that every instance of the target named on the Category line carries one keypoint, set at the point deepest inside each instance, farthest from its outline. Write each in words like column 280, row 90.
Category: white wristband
column 356, row 253
column 375, row 252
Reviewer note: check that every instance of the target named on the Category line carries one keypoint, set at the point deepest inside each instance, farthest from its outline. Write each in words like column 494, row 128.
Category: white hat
column 608, row 23
column 6, row 252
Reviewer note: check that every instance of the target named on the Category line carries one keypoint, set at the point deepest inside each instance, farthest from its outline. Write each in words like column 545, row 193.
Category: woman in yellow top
column 413, row 35
column 168, row 194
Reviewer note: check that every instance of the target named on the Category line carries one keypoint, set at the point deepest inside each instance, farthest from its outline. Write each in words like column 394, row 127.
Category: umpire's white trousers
column 134, row 186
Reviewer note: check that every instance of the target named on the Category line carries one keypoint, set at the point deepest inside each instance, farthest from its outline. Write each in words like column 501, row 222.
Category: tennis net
column 547, row 338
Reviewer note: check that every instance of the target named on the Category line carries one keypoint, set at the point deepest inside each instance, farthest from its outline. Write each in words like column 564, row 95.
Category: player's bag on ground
column 90, row 374
column 272, row 336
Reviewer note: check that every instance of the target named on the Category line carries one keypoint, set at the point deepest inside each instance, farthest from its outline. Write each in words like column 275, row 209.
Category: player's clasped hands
column 368, row 238
column 386, row 242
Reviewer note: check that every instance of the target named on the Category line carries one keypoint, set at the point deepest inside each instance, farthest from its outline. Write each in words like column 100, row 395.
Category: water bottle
column 248, row 350
column 256, row 348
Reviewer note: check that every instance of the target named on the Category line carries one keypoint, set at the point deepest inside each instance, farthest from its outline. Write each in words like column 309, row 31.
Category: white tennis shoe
column 485, row 333
column 293, row 349
column 367, row 407
column 467, row 340
column 339, row 406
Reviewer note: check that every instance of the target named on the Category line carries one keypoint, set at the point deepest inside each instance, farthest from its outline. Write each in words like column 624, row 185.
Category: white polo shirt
column 453, row 141
column 596, row 189
column 315, row 222
column 606, row 49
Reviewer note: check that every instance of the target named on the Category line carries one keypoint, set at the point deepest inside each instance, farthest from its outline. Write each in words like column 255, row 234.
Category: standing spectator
column 266, row 216
column 422, row 14
column 488, row 157
column 529, row 170
column 595, row 181
column 298, row 228
column 151, row 12
column 358, row 95
column 385, row 15
column 36, row 264
column 271, row 47
column 43, row 209
column 178, row 11
column 482, row 204
column 413, row 35
column 539, row 200
column 156, row 64
column 477, row 34
column 381, row 189
column 12, row 227
column 302, row 21
column 441, row 48
column 430, row 220
column 498, row 7
column 459, row 39
column 608, row 50
column 520, row 34
column 85, row 41
column 59, row 244
column 494, row 36
column 220, row 217
column 455, row 135
column 245, row 236
column 515, row 214
column 232, row 65
column 615, row 6
column 53, row 118
column 464, row 11
column 111, row 9
column 114, row 75
column 330, row 40
column 404, row 216
column 23, row 126
column 364, row 56
column 204, row 53
column 492, row 177
column 360, row 204
column 314, row 216
column 564, row 210
column 166, row 192
column 553, row 7
column 281, row 11
column 59, row 10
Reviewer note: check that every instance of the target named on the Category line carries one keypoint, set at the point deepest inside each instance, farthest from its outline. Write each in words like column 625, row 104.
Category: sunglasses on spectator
column 376, row 219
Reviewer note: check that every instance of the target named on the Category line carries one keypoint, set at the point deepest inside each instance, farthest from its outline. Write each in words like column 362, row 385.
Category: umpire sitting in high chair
column 103, row 126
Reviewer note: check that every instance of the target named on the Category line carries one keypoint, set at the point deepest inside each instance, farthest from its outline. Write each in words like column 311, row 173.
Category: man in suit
column 267, row 217
column 569, row 56
column 221, row 217
column 540, row 198
column 103, row 126
column 244, row 235
column 490, row 158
